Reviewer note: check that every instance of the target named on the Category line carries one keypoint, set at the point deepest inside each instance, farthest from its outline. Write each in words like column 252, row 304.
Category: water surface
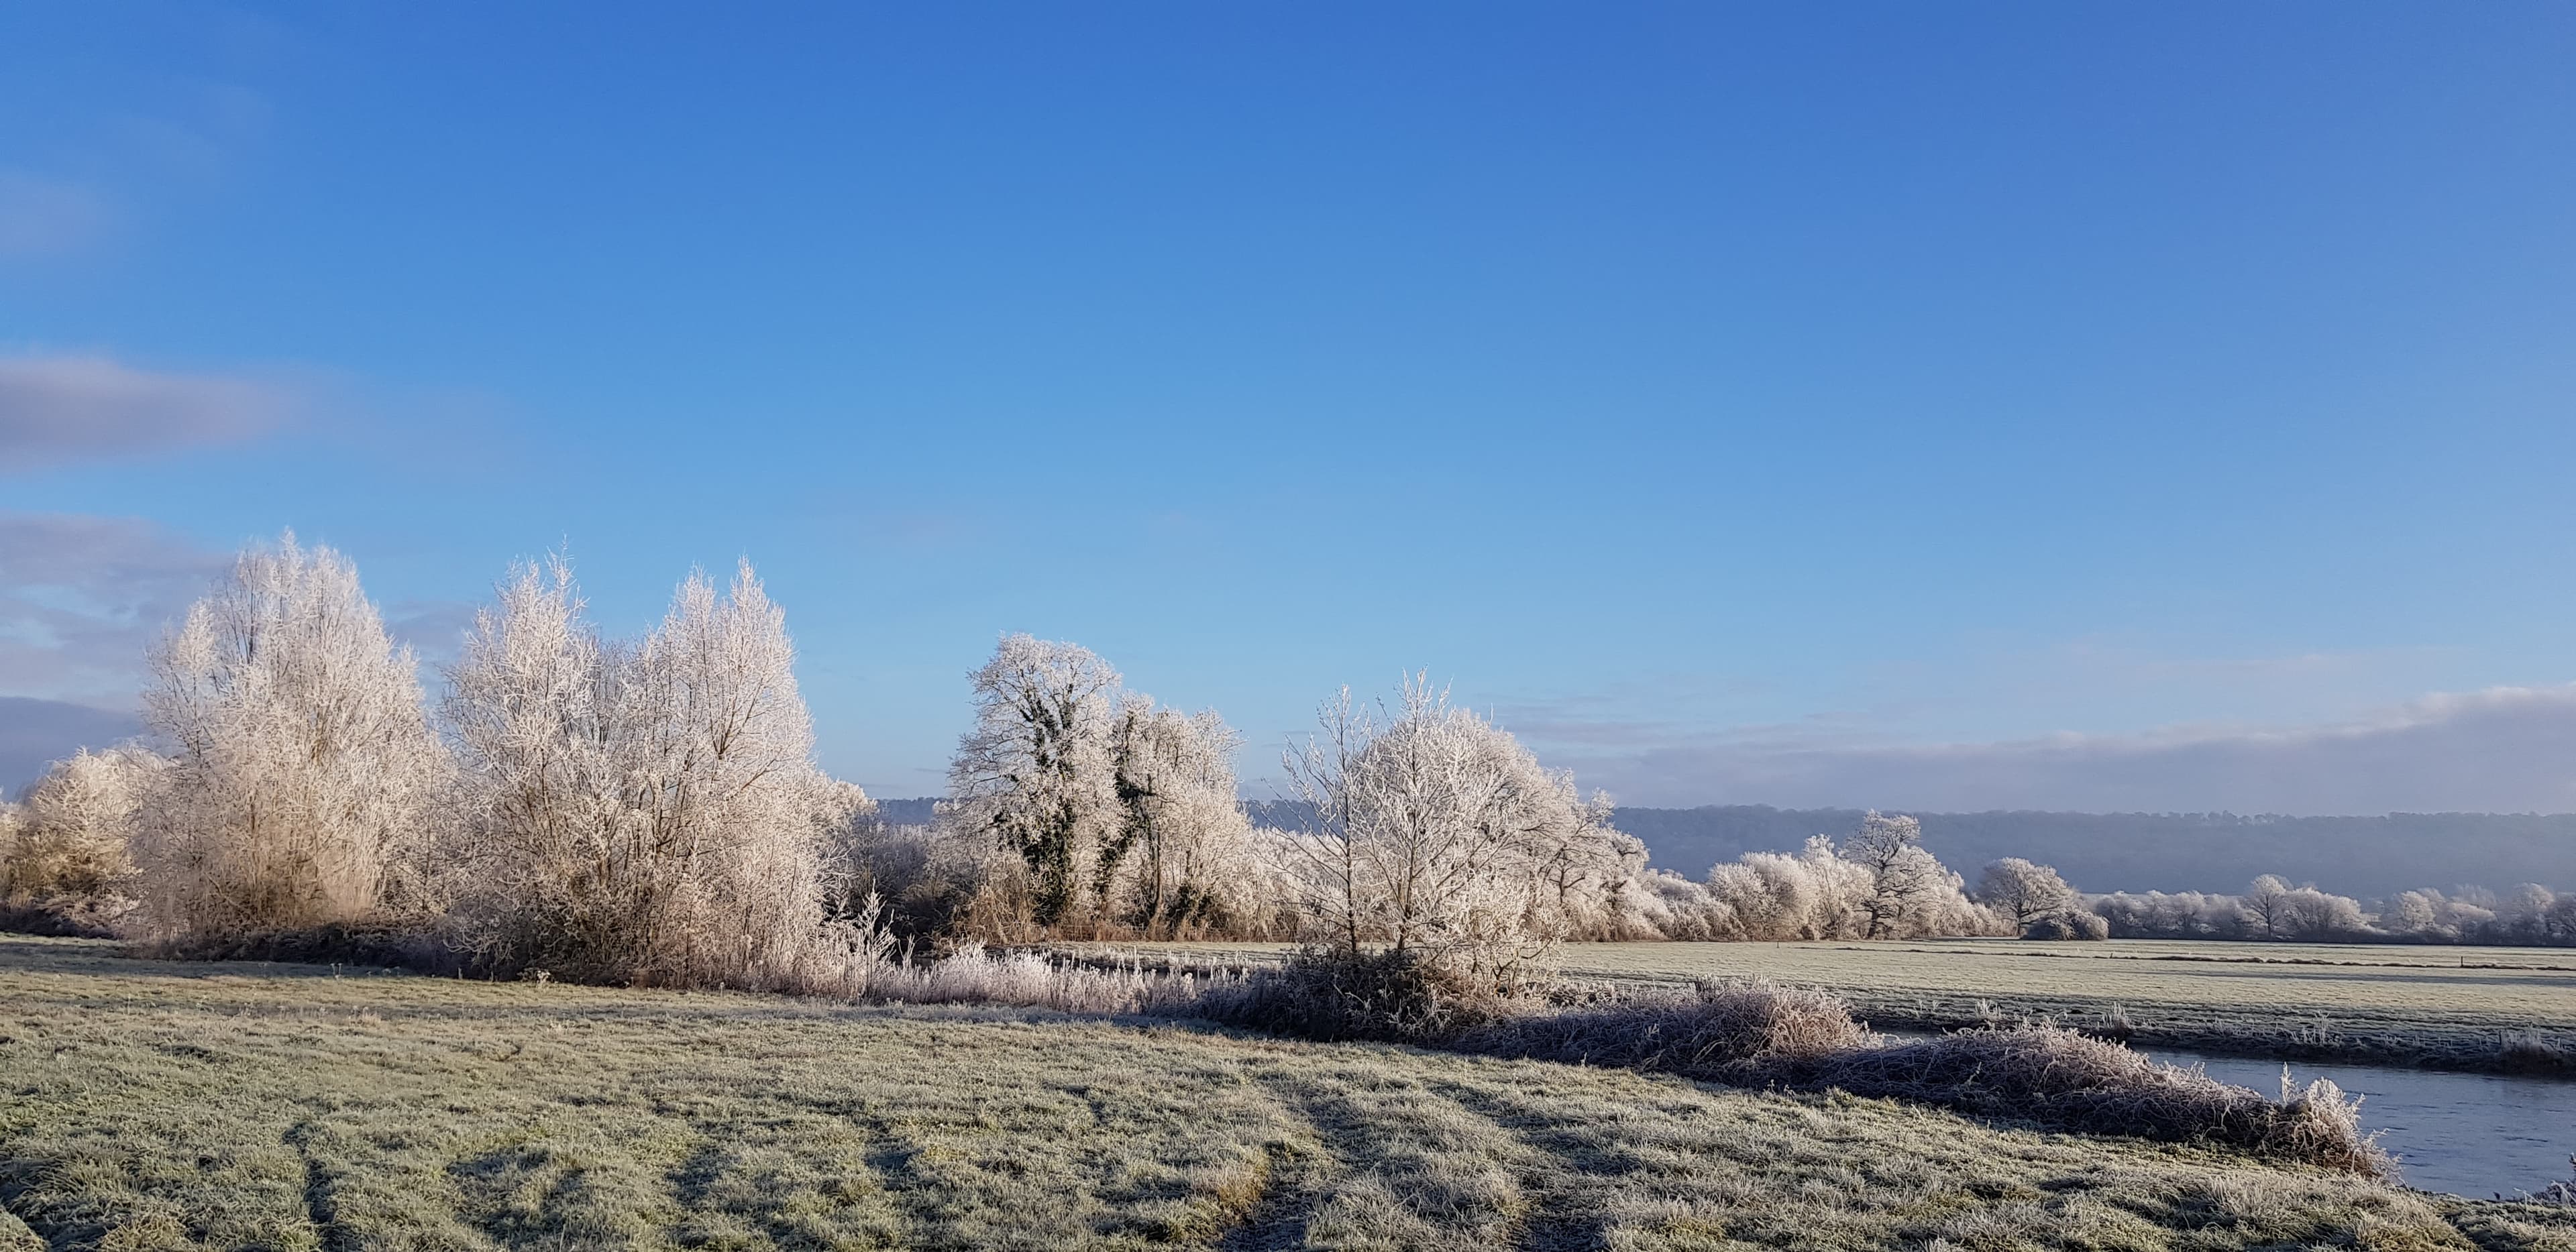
column 2468, row 1134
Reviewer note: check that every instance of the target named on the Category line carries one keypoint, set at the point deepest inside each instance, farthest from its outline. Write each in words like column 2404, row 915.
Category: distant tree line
column 2366, row 857
column 2272, row 909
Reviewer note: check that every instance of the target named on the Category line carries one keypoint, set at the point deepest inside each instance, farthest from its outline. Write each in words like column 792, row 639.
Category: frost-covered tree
column 1432, row 832
column 1812, row 894
column 2172, row 915
column 2023, row 890
column 2266, row 906
column 647, row 812
column 1180, row 856
column 853, row 841
column 1906, row 884
column 304, row 781
column 72, row 838
column 1036, row 774
column 1878, row 883
column 2312, row 916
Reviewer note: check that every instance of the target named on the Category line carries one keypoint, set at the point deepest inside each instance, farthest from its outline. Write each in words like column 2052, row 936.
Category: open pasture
column 2480, row 1009
column 156, row 1105
column 2477, row 1009
column 2487, row 986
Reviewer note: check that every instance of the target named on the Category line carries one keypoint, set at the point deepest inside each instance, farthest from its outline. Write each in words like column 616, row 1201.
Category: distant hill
column 2360, row 856
column 907, row 812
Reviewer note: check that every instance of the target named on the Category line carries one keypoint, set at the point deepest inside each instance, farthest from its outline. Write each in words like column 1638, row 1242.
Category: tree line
column 649, row 810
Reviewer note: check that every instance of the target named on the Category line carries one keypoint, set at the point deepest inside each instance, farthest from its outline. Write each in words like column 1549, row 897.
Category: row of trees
column 649, row 810
column 2272, row 909
column 641, row 810
column 1879, row 882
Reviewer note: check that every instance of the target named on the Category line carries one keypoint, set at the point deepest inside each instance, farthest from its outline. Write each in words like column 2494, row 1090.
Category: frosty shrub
column 66, row 863
column 1743, row 1028
column 2064, row 1080
column 304, row 783
column 1879, row 883
column 1331, row 994
column 646, row 813
column 2067, row 924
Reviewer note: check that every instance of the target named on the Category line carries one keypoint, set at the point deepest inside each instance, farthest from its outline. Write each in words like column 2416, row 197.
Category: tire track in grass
column 1411, row 1166
column 321, row 1204
column 1559, row 1217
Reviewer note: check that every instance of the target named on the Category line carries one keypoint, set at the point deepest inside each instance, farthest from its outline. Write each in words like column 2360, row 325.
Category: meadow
column 244, row 1105
column 2486, row 1010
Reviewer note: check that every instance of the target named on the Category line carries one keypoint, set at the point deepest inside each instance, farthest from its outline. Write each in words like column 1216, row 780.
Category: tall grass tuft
column 2064, row 1080
column 1733, row 1028
column 1333, row 995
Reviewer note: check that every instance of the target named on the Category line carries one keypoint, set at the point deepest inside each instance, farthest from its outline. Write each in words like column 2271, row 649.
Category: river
column 2466, row 1134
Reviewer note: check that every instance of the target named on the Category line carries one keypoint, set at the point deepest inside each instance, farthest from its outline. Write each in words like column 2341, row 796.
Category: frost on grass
column 154, row 1105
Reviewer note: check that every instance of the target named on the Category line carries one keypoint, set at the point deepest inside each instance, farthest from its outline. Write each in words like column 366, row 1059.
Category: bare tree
column 2023, row 890
column 304, row 782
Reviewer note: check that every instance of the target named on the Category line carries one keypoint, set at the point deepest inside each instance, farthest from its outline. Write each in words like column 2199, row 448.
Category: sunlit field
column 161, row 1105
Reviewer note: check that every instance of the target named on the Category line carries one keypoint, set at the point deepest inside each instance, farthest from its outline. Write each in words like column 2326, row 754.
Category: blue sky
column 1968, row 406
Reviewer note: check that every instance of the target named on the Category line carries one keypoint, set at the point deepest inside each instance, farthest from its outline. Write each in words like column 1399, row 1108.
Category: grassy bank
column 2479, row 1010
column 241, row 1106
column 2488, row 1010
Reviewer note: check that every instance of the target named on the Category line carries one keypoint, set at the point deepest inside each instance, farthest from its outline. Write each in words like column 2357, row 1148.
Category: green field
column 167, row 1105
column 2454, row 1008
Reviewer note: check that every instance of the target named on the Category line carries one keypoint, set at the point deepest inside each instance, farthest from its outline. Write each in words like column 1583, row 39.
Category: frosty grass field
column 2476, row 1009
column 234, row 1105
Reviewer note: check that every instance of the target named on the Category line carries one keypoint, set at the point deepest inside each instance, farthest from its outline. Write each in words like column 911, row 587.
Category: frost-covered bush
column 1674, row 907
column 66, row 861
column 1721, row 1029
column 2065, row 1080
column 1878, row 883
column 1330, row 993
column 2067, row 924
column 643, row 812
column 304, row 786
column 2170, row 915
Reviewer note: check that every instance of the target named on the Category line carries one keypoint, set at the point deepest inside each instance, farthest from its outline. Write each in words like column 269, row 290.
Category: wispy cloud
column 2505, row 749
column 44, row 217
column 82, row 597
column 57, row 409
column 35, row 733
column 433, row 629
